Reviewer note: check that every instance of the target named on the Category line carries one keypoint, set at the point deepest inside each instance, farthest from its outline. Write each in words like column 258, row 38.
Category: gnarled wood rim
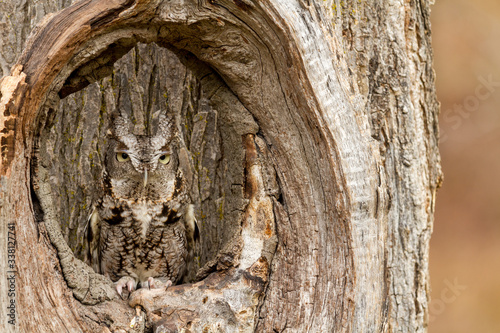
column 269, row 67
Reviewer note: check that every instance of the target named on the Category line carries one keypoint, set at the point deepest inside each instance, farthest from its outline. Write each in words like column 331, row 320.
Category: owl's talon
column 151, row 282
column 119, row 290
column 130, row 286
column 168, row 284
column 125, row 282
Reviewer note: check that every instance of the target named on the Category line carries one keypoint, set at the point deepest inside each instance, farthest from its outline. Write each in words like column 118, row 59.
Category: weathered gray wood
column 339, row 99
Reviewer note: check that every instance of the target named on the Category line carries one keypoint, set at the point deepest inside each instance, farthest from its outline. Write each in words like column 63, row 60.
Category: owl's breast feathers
column 142, row 238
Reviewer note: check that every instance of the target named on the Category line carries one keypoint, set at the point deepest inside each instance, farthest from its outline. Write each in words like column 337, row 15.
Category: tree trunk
column 310, row 131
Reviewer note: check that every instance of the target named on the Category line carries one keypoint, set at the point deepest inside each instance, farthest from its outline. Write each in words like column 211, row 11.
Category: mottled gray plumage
column 142, row 226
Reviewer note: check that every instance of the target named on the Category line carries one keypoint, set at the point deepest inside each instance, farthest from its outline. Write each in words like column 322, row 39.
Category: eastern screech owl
column 142, row 227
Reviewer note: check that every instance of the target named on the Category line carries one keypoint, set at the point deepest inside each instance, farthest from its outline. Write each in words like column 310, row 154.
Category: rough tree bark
column 310, row 132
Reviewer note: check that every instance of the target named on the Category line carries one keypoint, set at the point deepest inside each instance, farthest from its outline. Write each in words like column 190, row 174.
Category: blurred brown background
column 465, row 245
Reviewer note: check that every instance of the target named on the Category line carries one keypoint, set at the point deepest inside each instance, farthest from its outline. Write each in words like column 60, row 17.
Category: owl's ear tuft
column 120, row 127
column 166, row 127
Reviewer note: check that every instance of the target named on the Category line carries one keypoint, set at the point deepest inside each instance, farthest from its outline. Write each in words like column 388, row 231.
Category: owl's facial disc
column 144, row 161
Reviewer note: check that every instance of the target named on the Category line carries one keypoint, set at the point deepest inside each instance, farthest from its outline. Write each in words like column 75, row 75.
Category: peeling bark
column 310, row 131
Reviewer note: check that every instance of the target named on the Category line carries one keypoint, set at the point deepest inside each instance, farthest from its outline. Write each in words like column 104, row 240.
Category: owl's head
column 142, row 165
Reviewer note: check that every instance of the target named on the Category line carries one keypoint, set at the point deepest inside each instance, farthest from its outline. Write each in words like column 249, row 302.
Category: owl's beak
column 145, row 177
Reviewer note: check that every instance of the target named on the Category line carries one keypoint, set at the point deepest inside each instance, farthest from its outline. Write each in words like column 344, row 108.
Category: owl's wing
column 92, row 256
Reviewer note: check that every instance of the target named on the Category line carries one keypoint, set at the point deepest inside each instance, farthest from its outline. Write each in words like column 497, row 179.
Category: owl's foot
column 153, row 283
column 127, row 282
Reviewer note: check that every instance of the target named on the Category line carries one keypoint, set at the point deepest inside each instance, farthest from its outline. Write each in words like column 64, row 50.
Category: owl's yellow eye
column 122, row 157
column 164, row 159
